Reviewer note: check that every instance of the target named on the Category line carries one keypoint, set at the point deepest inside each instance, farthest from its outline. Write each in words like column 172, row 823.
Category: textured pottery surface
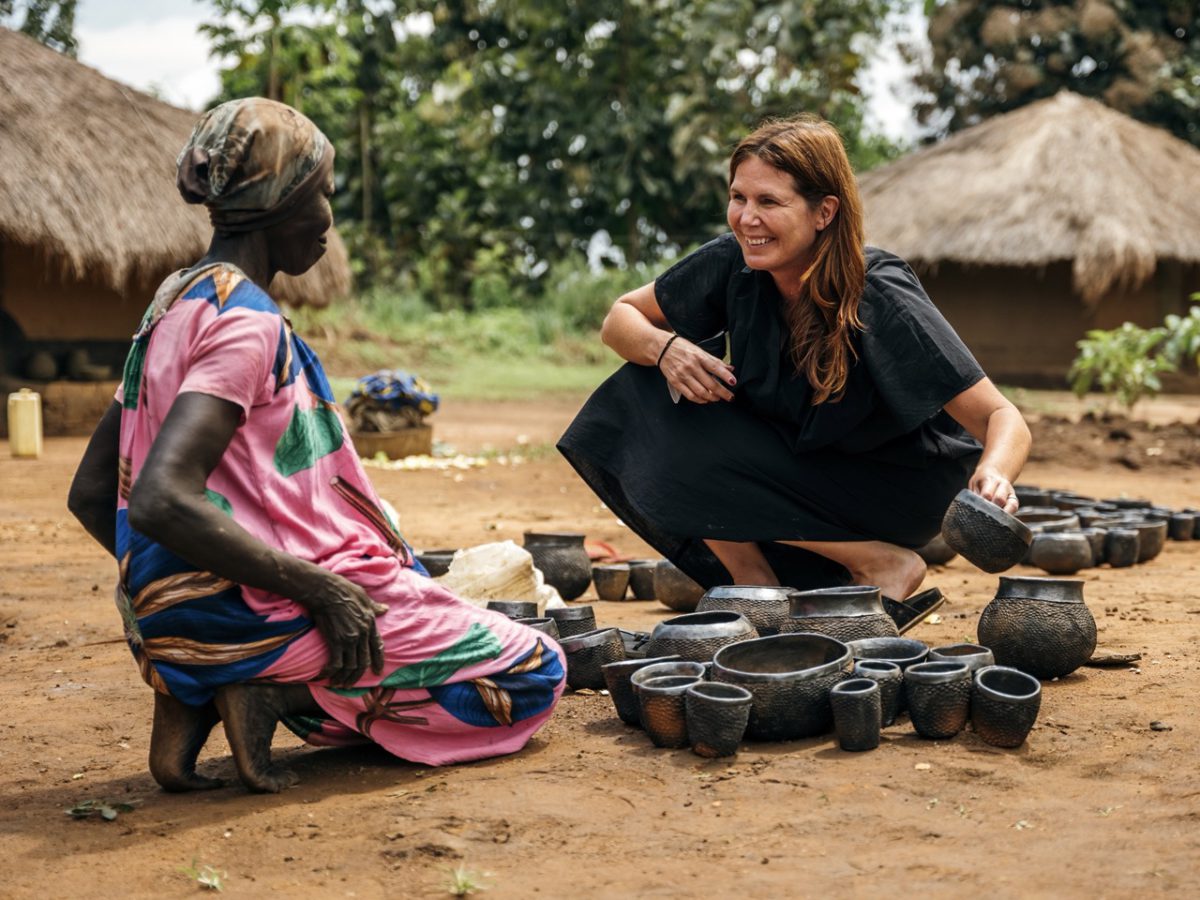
column 790, row 676
column 617, row 677
column 844, row 613
column 1004, row 705
column 661, row 708
column 641, row 578
column 766, row 606
column 611, row 581
column 697, row 636
column 985, row 534
column 544, row 624
column 716, row 717
column 857, row 716
column 675, row 590
column 436, row 562
column 1039, row 625
column 1121, row 547
column 673, row 667
column 1063, row 553
column 903, row 651
column 937, row 552
column 587, row 653
column 573, row 620
column 514, row 609
column 563, row 561
column 939, row 698
column 973, row 656
column 890, row 678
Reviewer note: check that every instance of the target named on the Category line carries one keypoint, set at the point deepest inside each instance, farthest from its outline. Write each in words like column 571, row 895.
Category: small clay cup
column 671, row 667
column 1181, row 526
column 890, row 678
column 973, row 656
column 1004, row 705
column 544, row 624
column 611, row 580
column 717, row 714
column 939, row 698
column 587, row 653
column 617, row 677
column 573, row 620
column 641, row 578
column 856, row 706
column 1061, row 553
column 1121, row 547
column 661, row 708
column 514, row 609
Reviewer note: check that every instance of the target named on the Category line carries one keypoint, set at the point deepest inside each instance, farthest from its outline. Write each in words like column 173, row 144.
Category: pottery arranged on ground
column 562, row 560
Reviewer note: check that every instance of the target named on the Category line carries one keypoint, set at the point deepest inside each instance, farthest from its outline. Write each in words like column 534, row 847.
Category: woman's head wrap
column 252, row 162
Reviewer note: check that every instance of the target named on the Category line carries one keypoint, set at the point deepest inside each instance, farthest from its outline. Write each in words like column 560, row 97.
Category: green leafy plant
column 107, row 810
column 206, row 876
column 1182, row 344
column 1124, row 362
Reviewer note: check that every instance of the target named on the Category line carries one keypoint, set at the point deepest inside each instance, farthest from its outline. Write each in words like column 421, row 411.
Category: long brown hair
column 823, row 320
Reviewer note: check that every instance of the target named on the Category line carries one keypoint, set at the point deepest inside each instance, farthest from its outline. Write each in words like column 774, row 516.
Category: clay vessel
column 436, row 562
column 1121, row 547
column 856, row 706
column 902, row 651
column 611, row 580
column 984, row 534
column 1004, row 705
column 766, row 606
column 573, row 620
column 562, row 560
column 845, row 613
column 1039, row 625
column 1061, row 554
column 973, row 656
column 939, row 698
column 890, row 678
column 587, row 653
column 617, row 678
column 937, row 552
column 674, row 589
column 514, row 609
column 716, row 717
column 641, row 578
column 544, row 624
column 1181, row 526
column 697, row 636
column 661, row 708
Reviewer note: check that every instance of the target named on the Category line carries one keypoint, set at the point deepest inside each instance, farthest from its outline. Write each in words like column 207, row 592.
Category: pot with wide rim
column 939, row 698
column 587, row 653
column 902, row 651
column 1004, row 705
column 1039, row 625
column 973, row 656
column 572, row 620
column 661, row 708
column 618, row 679
column 697, row 636
column 611, row 580
column 766, row 606
column 562, row 560
column 717, row 714
column 845, row 613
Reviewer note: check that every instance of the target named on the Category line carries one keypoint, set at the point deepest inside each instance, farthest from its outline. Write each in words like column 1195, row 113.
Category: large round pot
column 766, row 606
column 984, row 534
column 1039, row 625
column 790, row 676
column 562, row 560
column 697, row 636
column 845, row 613
column 674, row 589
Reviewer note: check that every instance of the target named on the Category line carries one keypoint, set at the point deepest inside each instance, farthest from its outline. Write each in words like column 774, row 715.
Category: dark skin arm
column 167, row 504
column 93, row 495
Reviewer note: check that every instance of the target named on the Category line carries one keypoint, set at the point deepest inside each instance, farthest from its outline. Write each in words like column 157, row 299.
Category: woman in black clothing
column 848, row 416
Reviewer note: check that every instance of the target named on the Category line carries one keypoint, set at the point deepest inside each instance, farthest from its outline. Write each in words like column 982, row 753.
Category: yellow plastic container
column 25, row 424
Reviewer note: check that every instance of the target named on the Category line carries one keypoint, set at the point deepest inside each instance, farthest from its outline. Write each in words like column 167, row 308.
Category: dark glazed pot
column 716, row 717
column 641, row 578
column 675, row 590
column 544, row 624
column 1004, row 705
column 617, row 677
column 612, row 580
column 1181, row 526
column 661, row 708
column 587, row 653
column 973, row 656
column 1039, row 625
column 790, row 676
column 671, row 667
column 890, row 678
column 766, row 606
column 844, row 613
column 1152, row 537
column 902, row 651
column 1061, row 554
column 985, row 534
column 856, row 713
column 573, row 620
column 514, row 609
column 697, row 636
column 939, row 698
column 436, row 562
column 562, row 560
column 1121, row 547
column 1095, row 538
column 937, row 552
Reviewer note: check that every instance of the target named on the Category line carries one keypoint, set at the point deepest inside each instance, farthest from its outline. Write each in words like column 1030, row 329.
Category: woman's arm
column 167, row 504
column 997, row 425
column 638, row 331
column 93, row 495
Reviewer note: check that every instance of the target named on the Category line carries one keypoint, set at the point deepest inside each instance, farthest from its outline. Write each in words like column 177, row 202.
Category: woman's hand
column 345, row 616
column 991, row 485
column 997, row 425
column 696, row 374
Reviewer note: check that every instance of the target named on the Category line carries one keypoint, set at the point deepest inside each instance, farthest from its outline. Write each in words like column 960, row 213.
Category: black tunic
column 881, row 463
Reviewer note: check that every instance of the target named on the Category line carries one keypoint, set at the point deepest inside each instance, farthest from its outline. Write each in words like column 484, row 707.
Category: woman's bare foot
column 896, row 571
column 178, row 733
column 250, row 713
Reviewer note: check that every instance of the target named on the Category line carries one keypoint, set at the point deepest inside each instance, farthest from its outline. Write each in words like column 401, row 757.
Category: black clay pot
column 674, row 589
column 1004, row 705
column 973, row 656
column 661, row 708
column 1039, row 625
column 1095, row 538
column 984, row 534
column 514, row 609
column 890, row 678
column 697, row 636
column 617, row 678
column 856, row 706
column 716, row 717
column 573, row 620
column 766, row 606
column 939, row 698
column 902, row 651
column 544, row 624
column 1128, row 503
column 937, row 552
column 436, row 562
column 1181, row 526
column 1121, row 547
column 611, row 580
column 1152, row 537
column 1062, row 553
column 586, row 655
column 641, row 578
column 844, row 613
column 1028, row 495
column 562, row 560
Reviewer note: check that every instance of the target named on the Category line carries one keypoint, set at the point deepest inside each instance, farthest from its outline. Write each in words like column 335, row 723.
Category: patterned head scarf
column 252, row 162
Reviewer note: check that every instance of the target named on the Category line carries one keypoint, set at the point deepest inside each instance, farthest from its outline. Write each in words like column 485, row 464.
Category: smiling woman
column 848, row 415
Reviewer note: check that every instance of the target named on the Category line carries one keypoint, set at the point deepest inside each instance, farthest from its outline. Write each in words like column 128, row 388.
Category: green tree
column 50, row 21
column 992, row 56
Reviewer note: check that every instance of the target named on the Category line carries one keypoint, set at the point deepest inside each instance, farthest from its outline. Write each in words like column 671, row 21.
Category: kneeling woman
column 848, row 417
column 259, row 579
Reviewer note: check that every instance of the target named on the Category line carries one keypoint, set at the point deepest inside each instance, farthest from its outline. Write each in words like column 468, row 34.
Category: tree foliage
column 992, row 56
column 50, row 21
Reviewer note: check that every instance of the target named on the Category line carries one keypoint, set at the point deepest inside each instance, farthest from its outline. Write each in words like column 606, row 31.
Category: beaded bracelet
column 670, row 341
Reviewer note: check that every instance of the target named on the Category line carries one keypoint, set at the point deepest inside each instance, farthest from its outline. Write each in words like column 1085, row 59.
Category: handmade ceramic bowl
column 1152, row 537
column 1029, row 495
column 436, row 562
column 641, row 578
column 857, row 716
column 985, row 534
column 514, row 609
column 1121, row 547
column 697, row 636
column 1181, row 526
column 766, row 606
column 890, row 678
column 587, row 653
column 544, row 624
column 661, row 708
column 562, row 560
column 845, row 613
column 939, row 698
column 672, row 667
column 716, row 717
column 617, row 677
column 611, row 580
column 573, row 620
column 790, row 676
column 1095, row 538
column 902, row 651
column 1062, row 553
column 1039, row 625
column 937, row 552
column 674, row 589
column 973, row 656
column 1004, row 705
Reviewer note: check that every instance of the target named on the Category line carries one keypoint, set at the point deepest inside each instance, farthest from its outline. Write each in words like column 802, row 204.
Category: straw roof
column 87, row 175
column 1065, row 178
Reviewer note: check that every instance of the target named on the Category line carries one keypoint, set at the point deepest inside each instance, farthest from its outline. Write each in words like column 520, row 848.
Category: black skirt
column 679, row 473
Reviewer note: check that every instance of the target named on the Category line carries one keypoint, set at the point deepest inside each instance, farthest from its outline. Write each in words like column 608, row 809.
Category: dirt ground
column 1096, row 804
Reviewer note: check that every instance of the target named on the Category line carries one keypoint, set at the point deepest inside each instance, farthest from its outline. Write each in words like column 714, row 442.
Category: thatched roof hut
column 87, row 180
column 1064, row 209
